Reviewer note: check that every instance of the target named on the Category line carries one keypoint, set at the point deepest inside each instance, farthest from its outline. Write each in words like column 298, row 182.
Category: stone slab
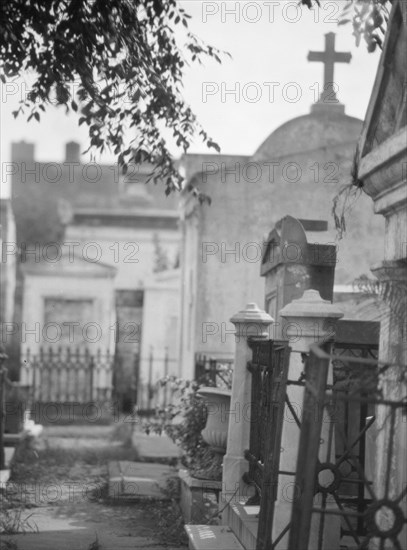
column 78, row 540
column 212, row 537
column 204, row 484
column 155, row 446
column 74, row 529
column 133, row 480
column 243, row 524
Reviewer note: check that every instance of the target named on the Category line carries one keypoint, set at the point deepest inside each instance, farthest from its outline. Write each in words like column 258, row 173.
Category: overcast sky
column 269, row 72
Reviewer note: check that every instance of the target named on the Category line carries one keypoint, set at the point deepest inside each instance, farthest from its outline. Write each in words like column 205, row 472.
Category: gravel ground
column 58, row 487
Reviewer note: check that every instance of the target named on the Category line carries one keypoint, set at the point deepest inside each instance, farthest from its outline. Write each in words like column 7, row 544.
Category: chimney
column 22, row 152
column 72, row 152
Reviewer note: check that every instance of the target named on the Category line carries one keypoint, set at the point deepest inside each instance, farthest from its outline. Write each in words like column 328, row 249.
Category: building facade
column 72, row 216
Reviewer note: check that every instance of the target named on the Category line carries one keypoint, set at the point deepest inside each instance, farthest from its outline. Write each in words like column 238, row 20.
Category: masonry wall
column 298, row 171
column 190, row 231
column 160, row 327
column 99, row 291
column 130, row 250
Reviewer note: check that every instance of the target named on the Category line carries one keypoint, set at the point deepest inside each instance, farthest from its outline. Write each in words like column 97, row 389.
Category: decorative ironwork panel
column 269, row 369
column 378, row 519
column 352, row 420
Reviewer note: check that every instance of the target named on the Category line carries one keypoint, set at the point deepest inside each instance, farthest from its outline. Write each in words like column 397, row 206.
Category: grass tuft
column 12, row 522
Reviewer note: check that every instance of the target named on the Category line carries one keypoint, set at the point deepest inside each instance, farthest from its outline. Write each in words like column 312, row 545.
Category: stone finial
column 311, row 305
column 252, row 321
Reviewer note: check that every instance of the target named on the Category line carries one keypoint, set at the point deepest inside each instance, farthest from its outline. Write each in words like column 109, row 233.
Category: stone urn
column 215, row 432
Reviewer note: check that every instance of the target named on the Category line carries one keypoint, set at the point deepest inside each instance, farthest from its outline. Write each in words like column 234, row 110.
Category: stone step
column 133, row 480
column 212, row 537
column 243, row 520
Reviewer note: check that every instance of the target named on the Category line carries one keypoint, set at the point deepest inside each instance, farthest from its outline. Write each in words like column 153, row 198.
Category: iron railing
column 154, row 390
column 211, row 371
column 67, row 376
column 269, row 369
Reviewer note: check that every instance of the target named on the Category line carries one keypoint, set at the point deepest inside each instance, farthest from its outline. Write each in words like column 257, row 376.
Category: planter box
column 199, row 498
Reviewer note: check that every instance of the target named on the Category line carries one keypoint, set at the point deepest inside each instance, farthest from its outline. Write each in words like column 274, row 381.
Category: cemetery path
column 57, row 497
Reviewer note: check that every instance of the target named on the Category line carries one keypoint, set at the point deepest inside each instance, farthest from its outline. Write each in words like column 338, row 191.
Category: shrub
column 183, row 420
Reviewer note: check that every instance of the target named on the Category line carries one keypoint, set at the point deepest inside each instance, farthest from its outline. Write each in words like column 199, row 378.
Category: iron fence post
column 136, row 376
column 150, row 377
column 91, row 376
column 165, row 375
column 2, row 414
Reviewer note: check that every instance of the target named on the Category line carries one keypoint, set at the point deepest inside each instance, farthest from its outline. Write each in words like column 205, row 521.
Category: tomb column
column 250, row 322
column 393, row 386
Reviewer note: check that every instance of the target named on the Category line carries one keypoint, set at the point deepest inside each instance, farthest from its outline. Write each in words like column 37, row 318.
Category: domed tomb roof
column 318, row 130
column 326, row 126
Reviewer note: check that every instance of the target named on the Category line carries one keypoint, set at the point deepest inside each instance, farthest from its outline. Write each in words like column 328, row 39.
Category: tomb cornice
column 315, row 254
column 381, row 171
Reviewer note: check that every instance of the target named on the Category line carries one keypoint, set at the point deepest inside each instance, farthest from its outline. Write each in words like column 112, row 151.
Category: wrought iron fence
column 66, row 375
column 272, row 403
column 353, row 419
column 210, row 371
column 381, row 521
column 153, row 391
column 3, row 382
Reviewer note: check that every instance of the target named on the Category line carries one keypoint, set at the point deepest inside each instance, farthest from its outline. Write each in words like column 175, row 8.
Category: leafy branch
column 117, row 64
column 369, row 19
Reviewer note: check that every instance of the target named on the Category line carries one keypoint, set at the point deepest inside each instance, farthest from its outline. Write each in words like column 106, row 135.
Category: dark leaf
column 213, row 145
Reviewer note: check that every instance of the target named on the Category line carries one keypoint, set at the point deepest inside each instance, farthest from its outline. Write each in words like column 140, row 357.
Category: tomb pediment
column 382, row 146
column 387, row 111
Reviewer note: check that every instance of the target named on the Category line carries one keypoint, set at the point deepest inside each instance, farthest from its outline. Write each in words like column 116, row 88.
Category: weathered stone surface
column 133, row 480
column 301, row 165
column 198, row 498
column 155, row 446
column 212, row 537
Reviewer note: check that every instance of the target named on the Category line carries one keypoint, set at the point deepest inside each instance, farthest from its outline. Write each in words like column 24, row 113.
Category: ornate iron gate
column 269, row 369
column 380, row 518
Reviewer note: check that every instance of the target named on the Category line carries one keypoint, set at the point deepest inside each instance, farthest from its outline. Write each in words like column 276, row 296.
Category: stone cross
column 329, row 57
